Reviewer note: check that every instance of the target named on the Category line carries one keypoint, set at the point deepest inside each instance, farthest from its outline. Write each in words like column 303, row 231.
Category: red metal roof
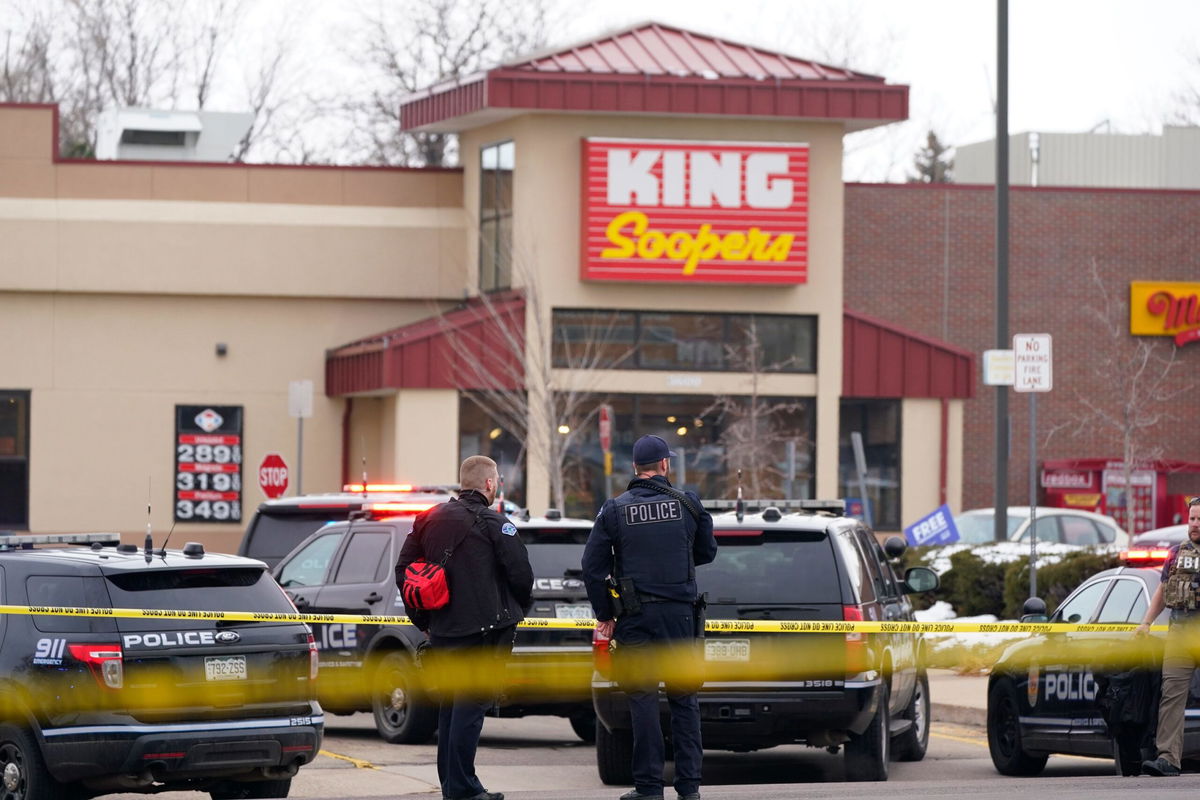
column 882, row 360
column 879, row 360
column 654, row 68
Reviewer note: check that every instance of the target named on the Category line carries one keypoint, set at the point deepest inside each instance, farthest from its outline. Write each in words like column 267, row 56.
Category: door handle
column 373, row 597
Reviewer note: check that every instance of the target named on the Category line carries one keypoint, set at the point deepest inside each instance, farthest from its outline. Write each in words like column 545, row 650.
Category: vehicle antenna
column 149, row 536
column 163, row 550
column 364, row 466
column 741, row 507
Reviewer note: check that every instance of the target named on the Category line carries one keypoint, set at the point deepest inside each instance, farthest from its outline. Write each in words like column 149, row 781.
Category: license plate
column 727, row 649
column 564, row 611
column 225, row 668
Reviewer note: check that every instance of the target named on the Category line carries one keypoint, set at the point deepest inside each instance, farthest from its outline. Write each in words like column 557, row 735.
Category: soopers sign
column 694, row 212
column 208, row 463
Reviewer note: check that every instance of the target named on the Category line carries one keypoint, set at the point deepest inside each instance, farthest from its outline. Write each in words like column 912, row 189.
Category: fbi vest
column 1182, row 589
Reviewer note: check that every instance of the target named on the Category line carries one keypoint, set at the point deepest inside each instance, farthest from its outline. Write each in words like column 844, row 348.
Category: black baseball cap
column 650, row 449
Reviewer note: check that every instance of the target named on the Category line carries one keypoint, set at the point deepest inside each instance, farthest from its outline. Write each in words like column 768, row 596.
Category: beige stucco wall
column 426, row 425
column 546, row 219
column 921, row 453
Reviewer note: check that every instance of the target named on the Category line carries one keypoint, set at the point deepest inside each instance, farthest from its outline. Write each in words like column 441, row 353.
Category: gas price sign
column 208, row 463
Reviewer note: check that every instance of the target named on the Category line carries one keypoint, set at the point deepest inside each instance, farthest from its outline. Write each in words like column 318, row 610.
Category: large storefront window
column 769, row 438
column 14, row 460
column 694, row 342
column 878, row 421
column 480, row 433
column 495, row 216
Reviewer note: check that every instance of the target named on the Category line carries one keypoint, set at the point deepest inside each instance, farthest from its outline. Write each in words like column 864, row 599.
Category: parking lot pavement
column 960, row 699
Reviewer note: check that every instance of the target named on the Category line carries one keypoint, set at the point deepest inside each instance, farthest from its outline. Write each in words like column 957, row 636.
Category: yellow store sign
column 1165, row 309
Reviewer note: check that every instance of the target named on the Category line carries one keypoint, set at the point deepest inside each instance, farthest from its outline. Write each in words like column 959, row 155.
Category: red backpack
column 425, row 585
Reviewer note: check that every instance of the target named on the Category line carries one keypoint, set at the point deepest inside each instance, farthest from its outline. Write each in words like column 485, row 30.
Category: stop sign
column 606, row 427
column 273, row 475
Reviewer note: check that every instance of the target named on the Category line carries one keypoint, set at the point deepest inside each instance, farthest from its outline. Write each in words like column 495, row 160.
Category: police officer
column 650, row 540
column 1180, row 592
column 491, row 590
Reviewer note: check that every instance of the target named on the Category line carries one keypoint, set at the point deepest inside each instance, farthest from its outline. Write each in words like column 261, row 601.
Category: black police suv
column 864, row 693
column 1043, row 699
column 104, row 704
column 348, row 567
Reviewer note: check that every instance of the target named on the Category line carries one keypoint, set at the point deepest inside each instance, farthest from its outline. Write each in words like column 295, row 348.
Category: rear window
column 273, row 537
column 555, row 553
column 200, row 589
column 777, row 569
column 75, row 591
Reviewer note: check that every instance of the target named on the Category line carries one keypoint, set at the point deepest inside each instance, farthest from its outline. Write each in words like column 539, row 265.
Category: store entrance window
column 481, row 433
column 878, row 421
column 14, row 460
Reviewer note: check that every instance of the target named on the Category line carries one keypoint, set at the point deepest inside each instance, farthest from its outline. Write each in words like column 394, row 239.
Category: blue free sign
column 935, row 528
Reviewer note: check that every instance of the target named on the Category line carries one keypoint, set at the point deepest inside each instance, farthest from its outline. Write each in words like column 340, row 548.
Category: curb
column 961, row 715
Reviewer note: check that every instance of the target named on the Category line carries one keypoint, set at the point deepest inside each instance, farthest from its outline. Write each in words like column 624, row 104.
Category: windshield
column 978, row 527
column 776, row 570
column 273, row 537
column 554, row 553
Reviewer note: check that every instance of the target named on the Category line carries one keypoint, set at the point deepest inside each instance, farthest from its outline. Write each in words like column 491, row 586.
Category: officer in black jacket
column 653, row 537
column 491, row 589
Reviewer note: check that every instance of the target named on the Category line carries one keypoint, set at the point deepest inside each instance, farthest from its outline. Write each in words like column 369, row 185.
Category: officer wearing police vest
column 648, row 541
column 1180, row 592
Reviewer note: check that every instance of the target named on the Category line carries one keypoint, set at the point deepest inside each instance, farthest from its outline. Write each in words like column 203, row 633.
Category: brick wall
column 923, row 257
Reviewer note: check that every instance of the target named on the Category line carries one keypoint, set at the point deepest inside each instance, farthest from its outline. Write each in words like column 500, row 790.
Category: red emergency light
column 358, row 488
column 1145, row 558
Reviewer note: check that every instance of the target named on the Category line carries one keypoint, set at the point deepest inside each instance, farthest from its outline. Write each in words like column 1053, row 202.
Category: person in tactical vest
column 647, row 542
column 1180, row 592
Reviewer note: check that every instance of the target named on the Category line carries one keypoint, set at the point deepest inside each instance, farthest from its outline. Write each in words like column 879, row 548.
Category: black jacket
column 660, row 557
column 490, row 579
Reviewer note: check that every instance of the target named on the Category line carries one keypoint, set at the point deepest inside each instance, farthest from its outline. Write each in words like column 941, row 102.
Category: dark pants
column 469, row 668
column 658, row 640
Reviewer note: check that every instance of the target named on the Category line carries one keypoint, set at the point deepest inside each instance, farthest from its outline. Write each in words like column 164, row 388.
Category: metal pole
column 299, row 455
column 1033, row 494
column 1002, row 338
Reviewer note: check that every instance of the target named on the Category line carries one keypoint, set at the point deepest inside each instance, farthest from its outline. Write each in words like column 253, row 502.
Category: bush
column 973, row 586
column 1055, row 581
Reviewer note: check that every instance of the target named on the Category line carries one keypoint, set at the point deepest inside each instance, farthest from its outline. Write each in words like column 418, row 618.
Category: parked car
column 1042, row 702
column 348, row 568
column 1153, row 548
column 815, row 564
column 100, row 704
column 1054, row 525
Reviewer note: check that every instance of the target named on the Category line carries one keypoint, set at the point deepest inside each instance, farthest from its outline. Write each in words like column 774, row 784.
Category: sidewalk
column 958, row 698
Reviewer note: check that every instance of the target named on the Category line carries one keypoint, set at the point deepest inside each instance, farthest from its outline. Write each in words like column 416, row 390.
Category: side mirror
column 894, row 547
column 920, row 579
column 1034, row 610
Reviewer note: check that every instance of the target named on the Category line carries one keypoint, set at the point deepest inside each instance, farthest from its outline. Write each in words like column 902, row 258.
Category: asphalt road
column 539, row 758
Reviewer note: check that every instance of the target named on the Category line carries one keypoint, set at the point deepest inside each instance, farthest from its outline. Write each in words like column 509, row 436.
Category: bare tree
column 541, row 383
column 1145, row 376
column 422, row 43
column 754, row 431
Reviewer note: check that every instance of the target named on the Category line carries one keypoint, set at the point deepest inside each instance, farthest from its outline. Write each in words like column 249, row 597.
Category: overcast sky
column 1073, row 64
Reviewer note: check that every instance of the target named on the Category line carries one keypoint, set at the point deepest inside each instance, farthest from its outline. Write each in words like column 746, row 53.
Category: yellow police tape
column 713, row 625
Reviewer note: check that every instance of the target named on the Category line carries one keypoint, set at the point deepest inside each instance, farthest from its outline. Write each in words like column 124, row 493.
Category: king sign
column 695, row 212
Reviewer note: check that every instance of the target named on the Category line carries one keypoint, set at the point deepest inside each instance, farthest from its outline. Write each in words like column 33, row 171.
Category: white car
column 1057, row 525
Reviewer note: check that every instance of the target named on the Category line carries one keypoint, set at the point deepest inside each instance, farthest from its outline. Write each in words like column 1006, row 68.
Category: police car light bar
column 397, row 508
column 1145, row 556
column 837, row 507
column 27, row 540
column 377, row 487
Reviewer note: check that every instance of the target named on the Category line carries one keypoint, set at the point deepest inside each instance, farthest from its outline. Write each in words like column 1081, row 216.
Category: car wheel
column 867, row 754
column 23, row 773
column 400, row 716
column 584, row 725
column 614, row 755
column 1004, row 733
column 256, row 790
column 912, row 744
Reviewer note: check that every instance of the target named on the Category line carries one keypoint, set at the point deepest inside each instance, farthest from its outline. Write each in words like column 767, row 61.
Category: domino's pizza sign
column 935, row 528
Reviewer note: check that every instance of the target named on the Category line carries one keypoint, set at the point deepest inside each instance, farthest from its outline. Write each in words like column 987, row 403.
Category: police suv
column 866, row 694
column 95, row 704
column 348, row 568
column 1048, row 692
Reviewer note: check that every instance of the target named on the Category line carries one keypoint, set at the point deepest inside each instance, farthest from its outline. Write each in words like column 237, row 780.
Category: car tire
column 254, row 790
column 21, row 763
column 400, row 716
column 867, row 754
column 614, row 755
column 912, row 744
column 1004, row 733
column 584, row 725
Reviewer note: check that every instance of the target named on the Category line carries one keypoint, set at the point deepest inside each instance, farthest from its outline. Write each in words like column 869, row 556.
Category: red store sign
column 694, row 212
